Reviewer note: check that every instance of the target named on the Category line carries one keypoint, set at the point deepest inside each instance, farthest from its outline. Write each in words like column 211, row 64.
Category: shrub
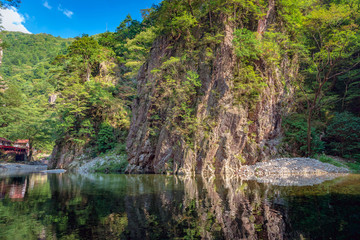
column 355, row 167
column 295, row 129
column 106, row 139
column 119, row 148
column 248, row 85
column 246, row 44
column 325, row 159
column 113, row 164
column 343, row 136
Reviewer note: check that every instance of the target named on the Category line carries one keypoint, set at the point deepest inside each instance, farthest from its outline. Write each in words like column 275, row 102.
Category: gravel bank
column 292, row 171
column 22, row 167
column 7, row 169
column 291, row 166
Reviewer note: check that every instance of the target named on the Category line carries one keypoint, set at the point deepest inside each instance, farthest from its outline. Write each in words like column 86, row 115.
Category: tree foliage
column 343, row 136
column 93, row 78
column 105, row 138
column 9, row 3
column 86, row 97
column 331, row 37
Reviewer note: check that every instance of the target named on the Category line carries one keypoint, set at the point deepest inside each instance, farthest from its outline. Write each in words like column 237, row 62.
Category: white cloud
column 46, row 4
column 67, row 12
column 12, row 21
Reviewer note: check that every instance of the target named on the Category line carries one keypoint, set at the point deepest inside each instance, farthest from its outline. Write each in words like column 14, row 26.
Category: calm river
column 70, row 206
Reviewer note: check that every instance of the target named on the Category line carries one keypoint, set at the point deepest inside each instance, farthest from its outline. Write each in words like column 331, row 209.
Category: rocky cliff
column 63, row 154
column 232, row 116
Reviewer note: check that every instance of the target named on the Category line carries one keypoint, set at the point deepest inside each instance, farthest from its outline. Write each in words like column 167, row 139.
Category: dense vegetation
column 70, row 90
column 26, row 86
column 328, row 93
column 92, row 79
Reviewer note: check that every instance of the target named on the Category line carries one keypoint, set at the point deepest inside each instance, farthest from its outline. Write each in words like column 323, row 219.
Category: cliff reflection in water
column 70, row 206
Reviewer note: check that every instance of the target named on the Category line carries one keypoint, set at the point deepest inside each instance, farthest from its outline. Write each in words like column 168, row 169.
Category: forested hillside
column 26, row 86
column 71, row 91
column 96, row 87
column 209, row 85
column 27, row 58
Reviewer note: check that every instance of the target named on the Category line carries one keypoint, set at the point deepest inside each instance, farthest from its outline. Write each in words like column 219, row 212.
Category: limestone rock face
column 63, row 154
column 239, row 134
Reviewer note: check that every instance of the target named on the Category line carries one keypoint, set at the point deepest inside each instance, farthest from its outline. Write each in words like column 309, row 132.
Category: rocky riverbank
column 281, row 171
column 291, row 166
column 18, row 168
column 290, row 171
column 110, row 163
column 7, row 169
column 22, row 167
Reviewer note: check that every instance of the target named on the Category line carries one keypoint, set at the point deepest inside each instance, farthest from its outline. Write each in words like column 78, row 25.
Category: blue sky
column 70, row 18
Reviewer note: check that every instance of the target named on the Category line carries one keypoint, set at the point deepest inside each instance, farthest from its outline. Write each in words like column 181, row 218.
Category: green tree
column 105, row 138
column 246, row 44
column 138, row 49
column 28, row 120
column 9, row 3
column 85, row 53
column 86, row 86
column 332, row 37
column 343, row 136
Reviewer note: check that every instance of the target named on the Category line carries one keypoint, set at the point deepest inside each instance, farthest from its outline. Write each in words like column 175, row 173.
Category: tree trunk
column 88, row 72
column 191, row 9
column 308, row 139
column 30, row 151
column 343, row 100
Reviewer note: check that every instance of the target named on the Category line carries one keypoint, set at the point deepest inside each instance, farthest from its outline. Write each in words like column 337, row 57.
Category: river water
column 70, row 206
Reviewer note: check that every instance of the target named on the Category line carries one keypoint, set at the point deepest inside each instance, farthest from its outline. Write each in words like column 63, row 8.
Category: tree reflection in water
column 69, row 206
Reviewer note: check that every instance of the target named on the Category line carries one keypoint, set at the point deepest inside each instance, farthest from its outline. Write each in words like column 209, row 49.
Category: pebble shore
column 7, row 169
column 292, row 171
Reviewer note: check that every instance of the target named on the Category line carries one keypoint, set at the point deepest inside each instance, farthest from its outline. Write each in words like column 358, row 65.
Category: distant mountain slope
column 28, row 56
column 26, row 85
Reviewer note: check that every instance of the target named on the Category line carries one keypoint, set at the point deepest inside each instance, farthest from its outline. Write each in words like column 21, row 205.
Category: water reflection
column 16, row 187
column 68, row 206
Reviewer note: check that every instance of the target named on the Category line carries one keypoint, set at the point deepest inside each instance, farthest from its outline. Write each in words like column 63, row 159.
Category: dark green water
column 67, row 206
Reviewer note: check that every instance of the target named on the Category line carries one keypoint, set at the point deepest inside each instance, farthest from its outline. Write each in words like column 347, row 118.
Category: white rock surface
column 292, row 172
